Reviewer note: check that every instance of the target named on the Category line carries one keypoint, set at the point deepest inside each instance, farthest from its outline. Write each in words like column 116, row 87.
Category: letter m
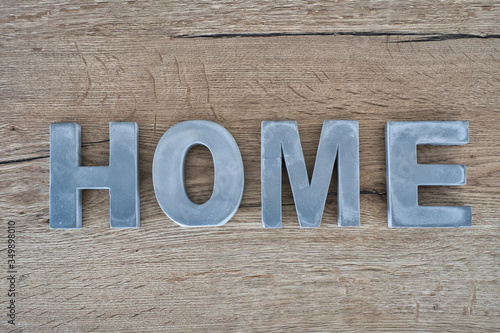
column 280, row 139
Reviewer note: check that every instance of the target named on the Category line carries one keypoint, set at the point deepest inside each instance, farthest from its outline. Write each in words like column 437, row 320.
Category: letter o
column 168, row 174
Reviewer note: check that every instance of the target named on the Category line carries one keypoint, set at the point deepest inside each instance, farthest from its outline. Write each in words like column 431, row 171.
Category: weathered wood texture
column 177, row 17
column 93, row 63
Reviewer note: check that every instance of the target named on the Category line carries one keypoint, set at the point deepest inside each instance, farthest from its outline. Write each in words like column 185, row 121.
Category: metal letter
column 404, row 175
column 68, row 178
column 281, row 139
column 168, row 174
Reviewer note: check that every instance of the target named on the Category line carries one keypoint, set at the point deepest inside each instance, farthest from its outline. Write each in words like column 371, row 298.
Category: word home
column 280, row 142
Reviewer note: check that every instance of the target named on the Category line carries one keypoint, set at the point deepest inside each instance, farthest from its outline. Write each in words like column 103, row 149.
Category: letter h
column 68, row 178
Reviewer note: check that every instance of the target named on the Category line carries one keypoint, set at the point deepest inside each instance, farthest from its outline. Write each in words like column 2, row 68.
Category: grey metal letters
column 280, row 139
column 68, row 178
column 404, row 175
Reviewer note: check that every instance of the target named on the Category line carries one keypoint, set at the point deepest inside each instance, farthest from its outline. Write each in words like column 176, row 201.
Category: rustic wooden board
column 93, row 63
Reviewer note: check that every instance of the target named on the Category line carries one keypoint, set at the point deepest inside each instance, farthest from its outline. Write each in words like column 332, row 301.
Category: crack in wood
column 24, row 159
column 421, row 37
column 29, row 159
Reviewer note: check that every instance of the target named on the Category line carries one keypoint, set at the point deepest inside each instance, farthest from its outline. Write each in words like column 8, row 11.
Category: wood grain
column 180, row 18
column 374, row 62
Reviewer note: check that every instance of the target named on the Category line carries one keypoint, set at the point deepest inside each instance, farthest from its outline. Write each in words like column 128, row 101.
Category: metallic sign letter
column 338, row 137
column 168, row 174
column 68, row 178
column 404, row 175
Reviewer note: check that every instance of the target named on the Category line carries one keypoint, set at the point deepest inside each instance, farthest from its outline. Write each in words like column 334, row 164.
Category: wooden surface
column 238, row 63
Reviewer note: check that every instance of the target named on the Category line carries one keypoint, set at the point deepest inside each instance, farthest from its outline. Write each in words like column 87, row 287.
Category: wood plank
column 239, row 276
column 47, row 19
